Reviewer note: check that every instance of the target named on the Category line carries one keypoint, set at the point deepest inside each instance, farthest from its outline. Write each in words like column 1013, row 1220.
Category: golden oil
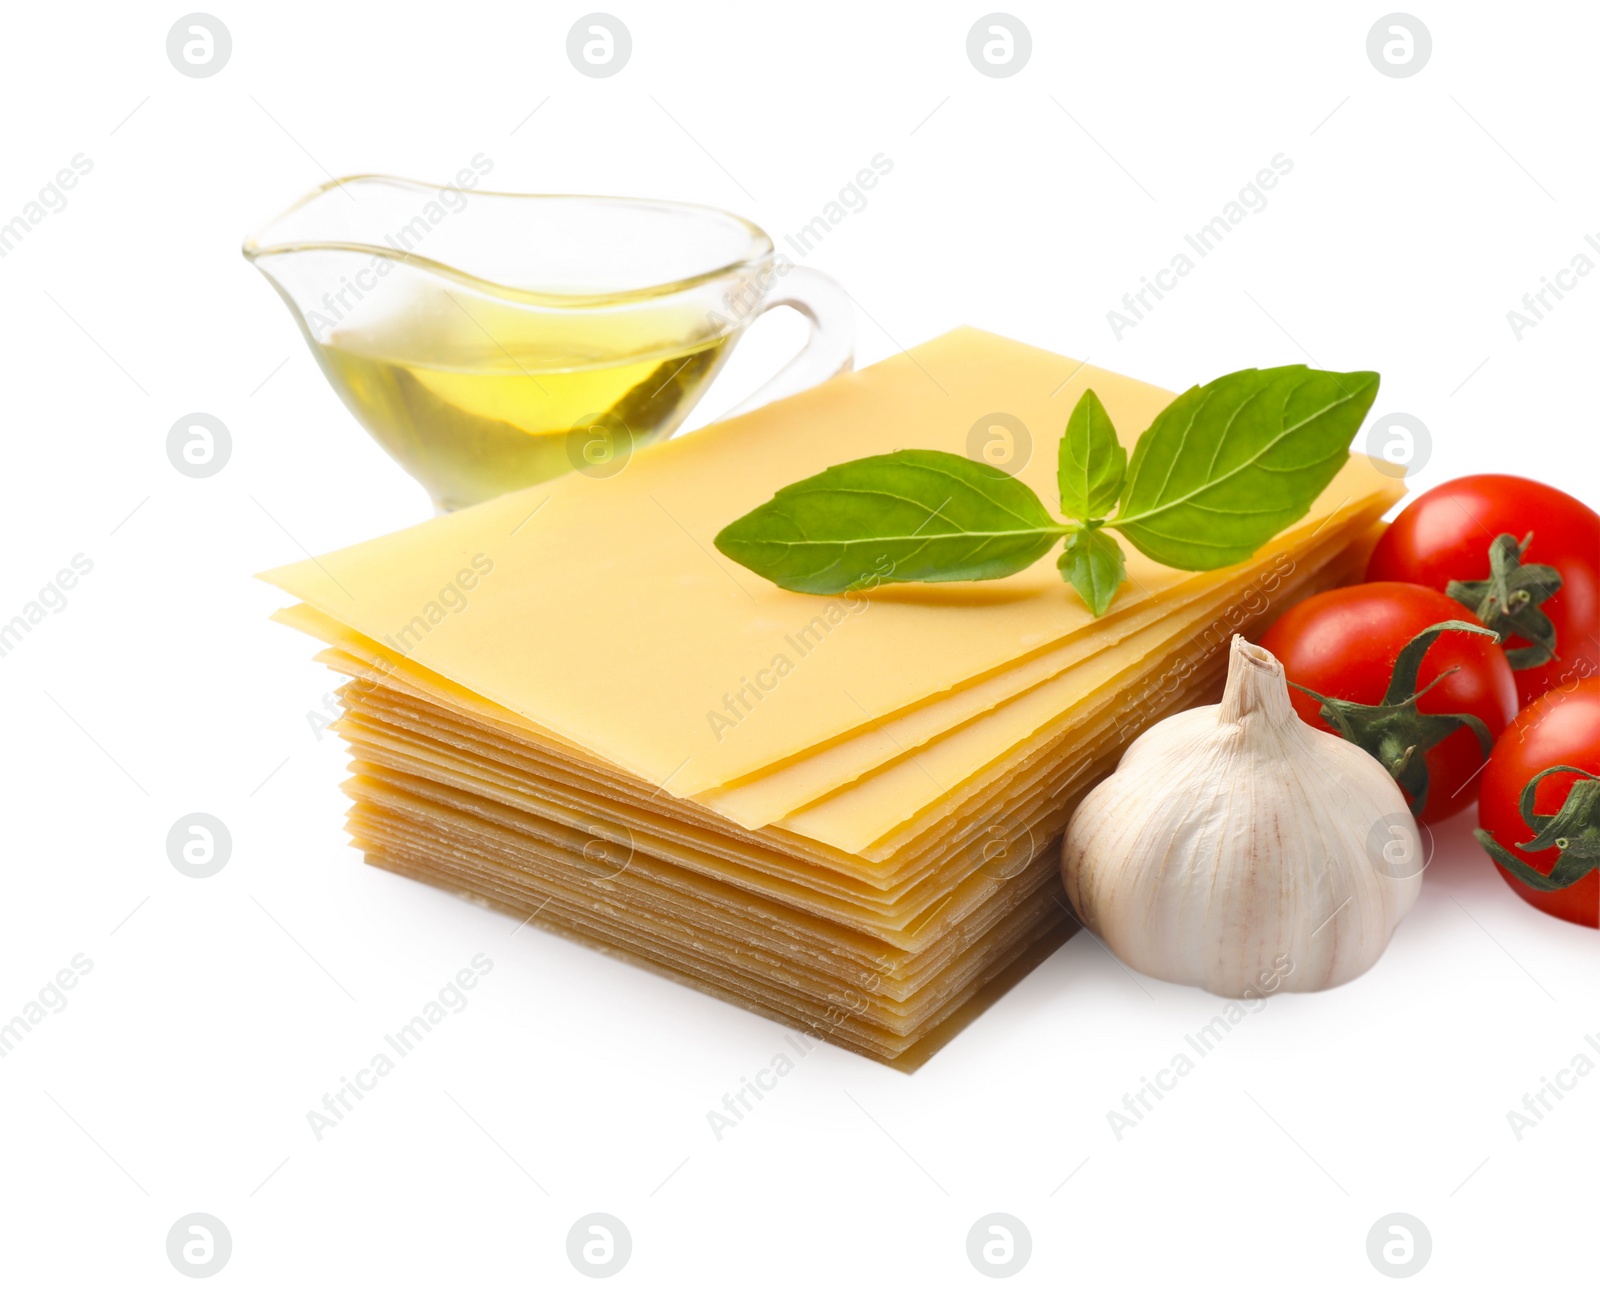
column 475, row 404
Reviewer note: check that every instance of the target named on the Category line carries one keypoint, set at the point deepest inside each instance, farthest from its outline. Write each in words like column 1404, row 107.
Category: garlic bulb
column 1241, row 850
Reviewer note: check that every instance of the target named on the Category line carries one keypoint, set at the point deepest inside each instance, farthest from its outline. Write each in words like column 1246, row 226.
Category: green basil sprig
column 1221, row 470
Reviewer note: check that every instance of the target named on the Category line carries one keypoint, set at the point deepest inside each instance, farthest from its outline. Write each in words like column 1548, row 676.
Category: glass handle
column 829, row 351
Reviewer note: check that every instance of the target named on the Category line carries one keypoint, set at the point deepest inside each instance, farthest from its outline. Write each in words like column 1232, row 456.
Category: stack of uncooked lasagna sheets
column 840, row 812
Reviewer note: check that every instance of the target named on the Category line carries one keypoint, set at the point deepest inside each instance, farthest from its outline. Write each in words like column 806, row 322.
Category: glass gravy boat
column 490, row 341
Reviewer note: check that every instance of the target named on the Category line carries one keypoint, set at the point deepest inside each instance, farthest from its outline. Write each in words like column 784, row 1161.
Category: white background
column 218, row 1012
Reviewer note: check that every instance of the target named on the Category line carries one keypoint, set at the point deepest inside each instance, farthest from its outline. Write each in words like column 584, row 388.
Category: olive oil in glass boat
column 491, row 341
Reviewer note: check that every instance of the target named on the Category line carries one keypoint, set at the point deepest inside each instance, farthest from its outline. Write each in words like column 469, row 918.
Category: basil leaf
column 1227, row 465
column 1092, row 563
column 916, row 514
column 1092, row 462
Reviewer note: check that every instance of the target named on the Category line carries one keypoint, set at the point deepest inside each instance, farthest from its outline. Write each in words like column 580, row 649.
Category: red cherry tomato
column 1344, row 644
column 1445, row 535
column 1561, row 728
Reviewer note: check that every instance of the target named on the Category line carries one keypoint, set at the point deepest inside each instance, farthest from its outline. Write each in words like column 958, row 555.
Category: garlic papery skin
column 1238, row 849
